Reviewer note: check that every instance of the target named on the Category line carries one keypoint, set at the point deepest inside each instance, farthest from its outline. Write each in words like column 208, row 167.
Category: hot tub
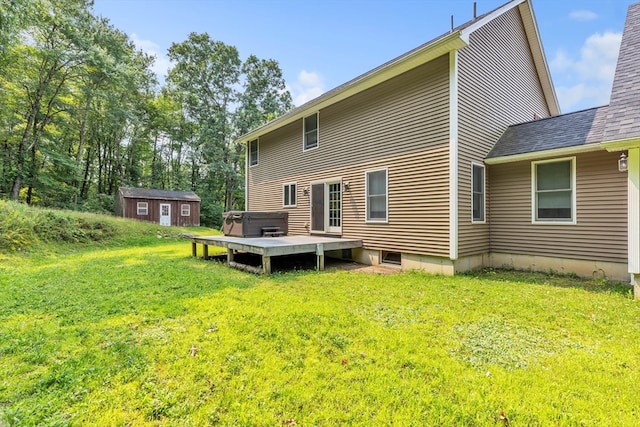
column 255, row 224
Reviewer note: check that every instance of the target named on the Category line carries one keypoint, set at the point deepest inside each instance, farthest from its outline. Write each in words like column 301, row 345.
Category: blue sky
column 322, row 44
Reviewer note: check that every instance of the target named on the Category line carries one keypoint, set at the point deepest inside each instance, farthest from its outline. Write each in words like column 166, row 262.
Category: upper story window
column 311, row 131
column 553, row 184
column 185, row 210
column 376, row 196
column 477, row 193
column 289, row 193
column 253, row 152
column 143, row 208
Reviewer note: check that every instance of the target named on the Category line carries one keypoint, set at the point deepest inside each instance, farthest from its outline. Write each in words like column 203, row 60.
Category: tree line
column 82, row 114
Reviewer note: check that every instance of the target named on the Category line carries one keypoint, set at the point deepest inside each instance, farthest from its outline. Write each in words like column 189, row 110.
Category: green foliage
column 210, row 212
column 138, row 332
column 16, row 226
column 54, row 226
column 101, row 203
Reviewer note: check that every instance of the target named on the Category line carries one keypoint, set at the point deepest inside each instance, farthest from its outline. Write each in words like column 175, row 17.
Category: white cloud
column 583, row 15
column 161, row 64
column 308, row 86
column 587, row 78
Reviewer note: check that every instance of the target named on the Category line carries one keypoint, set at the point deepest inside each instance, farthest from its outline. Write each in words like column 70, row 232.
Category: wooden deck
column 274, row 246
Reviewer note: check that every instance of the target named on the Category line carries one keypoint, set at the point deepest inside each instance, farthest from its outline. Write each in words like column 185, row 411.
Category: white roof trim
column 536, row 155
column 539, row 57
column 621, row 144
column 466, row 32
column 406, row 62
column 537, row 51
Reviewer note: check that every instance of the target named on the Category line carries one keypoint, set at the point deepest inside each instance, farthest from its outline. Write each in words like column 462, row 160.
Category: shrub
column 16, row 226
column 56, row 226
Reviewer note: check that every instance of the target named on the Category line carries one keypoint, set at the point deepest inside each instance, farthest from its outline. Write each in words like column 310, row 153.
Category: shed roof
column 147, row 193
column 576, row 129
column 623, row 119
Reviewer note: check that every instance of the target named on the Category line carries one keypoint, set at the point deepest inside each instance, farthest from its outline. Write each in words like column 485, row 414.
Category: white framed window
column 310, row 129
column 185, row 210
column 290, row 195
column 253, row 152
column 553, row 191
column 478, row 198
column 377, row 206
column 143, row 208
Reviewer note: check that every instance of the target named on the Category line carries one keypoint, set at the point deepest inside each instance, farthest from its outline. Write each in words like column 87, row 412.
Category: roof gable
column 451, row 41
column 147, row 193
column 623, row 120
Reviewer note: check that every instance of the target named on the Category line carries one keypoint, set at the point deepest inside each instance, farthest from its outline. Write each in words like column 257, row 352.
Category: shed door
column 165, row 214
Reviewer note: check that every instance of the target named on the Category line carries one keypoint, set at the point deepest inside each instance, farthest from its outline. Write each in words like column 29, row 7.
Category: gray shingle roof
column 567, row 130
column 623, row 120
column 146, row 193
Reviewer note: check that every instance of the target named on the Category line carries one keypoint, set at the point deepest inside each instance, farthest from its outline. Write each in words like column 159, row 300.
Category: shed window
column 553, row 184
column 311, row 131
column 253, row 152
column 289, row 193
column 477, row 193
column 143, row 208
column 185, row 210
column 376, row 199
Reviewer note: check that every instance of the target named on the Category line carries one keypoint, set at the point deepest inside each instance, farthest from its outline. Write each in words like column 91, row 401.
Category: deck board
column 277, row 246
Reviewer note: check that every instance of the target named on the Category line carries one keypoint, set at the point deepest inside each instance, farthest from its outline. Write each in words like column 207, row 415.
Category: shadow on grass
column 552, row 278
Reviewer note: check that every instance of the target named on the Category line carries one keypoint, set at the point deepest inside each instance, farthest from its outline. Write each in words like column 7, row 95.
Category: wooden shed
column 164, row 207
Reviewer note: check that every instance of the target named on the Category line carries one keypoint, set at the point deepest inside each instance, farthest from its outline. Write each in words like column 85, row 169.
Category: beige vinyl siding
column 601, row 205
column 498, row 86
column 401, row 125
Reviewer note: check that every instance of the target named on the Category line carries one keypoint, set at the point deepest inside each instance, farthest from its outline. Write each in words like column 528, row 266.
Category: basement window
column 389, row 257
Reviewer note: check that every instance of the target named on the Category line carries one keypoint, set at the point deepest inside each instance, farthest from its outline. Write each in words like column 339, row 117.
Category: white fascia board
column 537, row 155
column 539, row 57
column 442, row 46
column 533, row 37
column 466, row 32
column 621, row 144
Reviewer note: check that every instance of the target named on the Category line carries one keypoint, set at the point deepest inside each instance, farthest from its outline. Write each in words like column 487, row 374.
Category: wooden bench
column 272, row 232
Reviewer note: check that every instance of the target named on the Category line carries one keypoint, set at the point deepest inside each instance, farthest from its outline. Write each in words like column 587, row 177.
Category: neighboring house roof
column 448, row 42
column 145, row 193
column 578, row 131
column 623, row 120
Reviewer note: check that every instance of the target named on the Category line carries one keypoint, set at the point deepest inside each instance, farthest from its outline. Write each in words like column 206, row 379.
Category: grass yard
column 141, row 333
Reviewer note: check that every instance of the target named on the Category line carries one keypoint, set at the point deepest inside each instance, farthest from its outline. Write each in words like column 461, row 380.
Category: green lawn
column 144, row 334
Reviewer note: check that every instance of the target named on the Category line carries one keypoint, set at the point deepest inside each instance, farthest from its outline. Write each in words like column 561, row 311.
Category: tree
column 223, row 98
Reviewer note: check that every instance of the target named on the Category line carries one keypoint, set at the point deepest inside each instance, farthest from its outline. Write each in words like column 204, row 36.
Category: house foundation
column 583, row 268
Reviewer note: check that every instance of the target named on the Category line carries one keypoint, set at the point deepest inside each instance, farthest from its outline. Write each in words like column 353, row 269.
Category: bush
column 55, row 226
column 16, row 226
column 102, row 203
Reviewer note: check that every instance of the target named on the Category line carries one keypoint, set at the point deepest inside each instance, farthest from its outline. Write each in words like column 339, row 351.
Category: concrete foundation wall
column 429, row 264
column 366, row 256
column 447, row 267
column 583, row 268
